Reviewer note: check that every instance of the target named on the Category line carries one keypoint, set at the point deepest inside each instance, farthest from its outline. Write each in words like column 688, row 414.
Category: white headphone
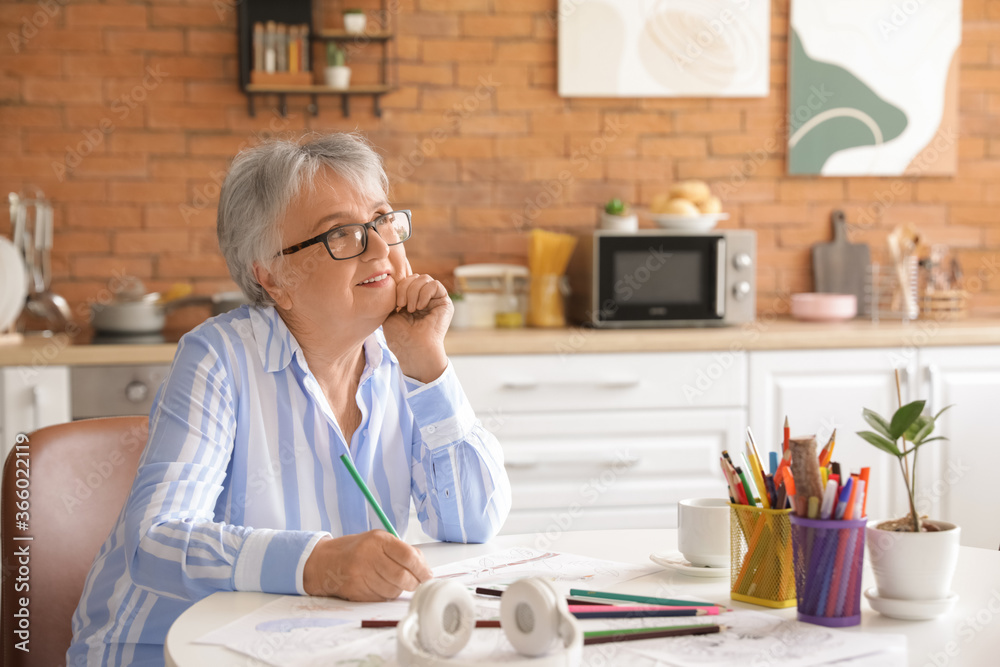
column 533, row 616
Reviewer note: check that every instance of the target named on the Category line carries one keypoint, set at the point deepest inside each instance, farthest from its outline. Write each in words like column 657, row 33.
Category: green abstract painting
column 872, row 90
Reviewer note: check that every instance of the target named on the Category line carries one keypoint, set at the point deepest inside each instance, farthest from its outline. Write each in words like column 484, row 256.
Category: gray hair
column 261, row 184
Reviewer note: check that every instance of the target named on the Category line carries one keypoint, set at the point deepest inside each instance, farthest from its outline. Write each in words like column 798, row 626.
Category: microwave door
column 662, row 279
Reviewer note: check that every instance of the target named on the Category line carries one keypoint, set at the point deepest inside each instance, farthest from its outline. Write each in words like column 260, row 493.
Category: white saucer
column 910, row 610
column 673, row 560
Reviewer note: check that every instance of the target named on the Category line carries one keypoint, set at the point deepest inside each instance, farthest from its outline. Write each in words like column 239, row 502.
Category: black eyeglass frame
column 322, row 236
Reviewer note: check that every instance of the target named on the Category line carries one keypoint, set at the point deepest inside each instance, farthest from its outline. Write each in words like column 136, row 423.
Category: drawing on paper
column 664, row 48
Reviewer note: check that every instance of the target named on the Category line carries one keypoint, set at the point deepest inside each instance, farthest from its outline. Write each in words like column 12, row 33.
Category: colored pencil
column 608, row 612
column 392, row 624
column 620, row 636
column 590, row 609
column 787, row 437
column 640, row 598
column 493, row 592
column 368, row 494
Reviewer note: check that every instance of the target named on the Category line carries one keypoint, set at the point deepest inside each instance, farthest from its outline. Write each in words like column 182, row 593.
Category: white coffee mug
column 703, row 531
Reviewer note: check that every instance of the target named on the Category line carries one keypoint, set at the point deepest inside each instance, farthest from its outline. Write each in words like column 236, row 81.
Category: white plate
column 14, row 281
column 688, row 223
column 673, row 560
column 910, row 610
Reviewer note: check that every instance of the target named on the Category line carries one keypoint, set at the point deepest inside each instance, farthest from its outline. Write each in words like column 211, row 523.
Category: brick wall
column 127, row 114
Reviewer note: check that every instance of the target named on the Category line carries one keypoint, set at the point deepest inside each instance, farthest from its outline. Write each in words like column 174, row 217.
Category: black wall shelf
column 298, row 12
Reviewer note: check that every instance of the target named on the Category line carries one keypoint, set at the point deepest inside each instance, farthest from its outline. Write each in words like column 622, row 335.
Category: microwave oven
column 663, row 278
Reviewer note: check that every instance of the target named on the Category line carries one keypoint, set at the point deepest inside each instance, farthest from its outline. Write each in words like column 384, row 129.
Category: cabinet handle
column 932, row 381
column 620, row 383
column 527, row 464
column 37, row 394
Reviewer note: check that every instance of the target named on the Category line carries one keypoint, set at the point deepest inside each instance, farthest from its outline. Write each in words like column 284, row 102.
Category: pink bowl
column 816, row 307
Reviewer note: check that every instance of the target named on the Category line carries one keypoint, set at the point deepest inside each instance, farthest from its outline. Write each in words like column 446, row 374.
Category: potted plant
column 354, row 21
column 338, row 74
column 617, row 217
column 913, row 558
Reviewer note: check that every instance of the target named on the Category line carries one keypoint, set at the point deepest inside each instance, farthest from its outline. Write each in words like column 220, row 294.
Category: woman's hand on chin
column 415, row 330
column 367, row 567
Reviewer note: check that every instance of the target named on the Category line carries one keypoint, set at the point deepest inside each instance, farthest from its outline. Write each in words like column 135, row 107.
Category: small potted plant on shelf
column 617, row 217
column 913, row 557
column 338, row 74
column 354, row 21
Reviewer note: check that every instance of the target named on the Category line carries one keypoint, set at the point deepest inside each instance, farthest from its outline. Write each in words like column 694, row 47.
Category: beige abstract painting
column 664, row 48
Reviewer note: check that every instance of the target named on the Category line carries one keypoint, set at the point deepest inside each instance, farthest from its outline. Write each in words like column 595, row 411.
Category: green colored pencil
column 368, row 494
column 632, row 631
column 640, row 598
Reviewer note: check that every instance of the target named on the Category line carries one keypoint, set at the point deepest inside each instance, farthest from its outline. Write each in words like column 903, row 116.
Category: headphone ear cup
column 445, row 616
column 531, row 615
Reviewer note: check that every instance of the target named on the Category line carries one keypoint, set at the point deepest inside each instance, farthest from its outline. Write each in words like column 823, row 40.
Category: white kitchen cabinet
column 30, row 398
column 825, row 389
column 596, row 441
column 967, row 378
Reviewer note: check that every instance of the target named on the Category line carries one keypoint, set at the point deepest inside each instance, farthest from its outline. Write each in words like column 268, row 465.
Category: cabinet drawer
column 634, row 458
column 534, row 383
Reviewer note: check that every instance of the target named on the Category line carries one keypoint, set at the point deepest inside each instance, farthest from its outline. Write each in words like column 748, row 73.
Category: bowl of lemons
column 688, row 206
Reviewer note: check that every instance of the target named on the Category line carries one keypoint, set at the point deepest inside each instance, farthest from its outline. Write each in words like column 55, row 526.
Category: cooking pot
column 148, row 314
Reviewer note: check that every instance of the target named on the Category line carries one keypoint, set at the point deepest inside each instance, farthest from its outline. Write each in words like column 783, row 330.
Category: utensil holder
column 760, row 566
column 828, row 559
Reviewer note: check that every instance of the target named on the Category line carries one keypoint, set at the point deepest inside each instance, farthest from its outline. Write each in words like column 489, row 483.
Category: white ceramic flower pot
column 619, row 223
column 338, row 77
column 914, row 566
column 355, row 23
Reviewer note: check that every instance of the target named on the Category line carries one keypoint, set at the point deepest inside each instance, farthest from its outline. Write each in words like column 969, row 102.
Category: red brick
column 186, row 266
column 145, row 41
column 62, row 90
column 430, row 25
column 187, row 66
column 676, row 147
column 526, row 52
column 150, row 242
column 503, row 25
column 103, row 166
column 92, row 216
column 31, row 64
column 104, row 66
column 145, row 142
column 186, row 117
column 212, row 42
column 457, row 50
column 209, row 15
column 140, row 192
column 70, row 244
column 442, row 75
column 52, row 39
column 105, row 15
column 108, row 266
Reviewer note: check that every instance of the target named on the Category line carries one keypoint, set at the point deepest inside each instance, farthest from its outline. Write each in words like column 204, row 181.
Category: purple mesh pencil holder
column 828, row 561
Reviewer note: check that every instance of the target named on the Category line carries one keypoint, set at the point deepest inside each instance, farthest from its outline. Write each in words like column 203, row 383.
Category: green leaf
column 937, row 437
column 941, row 411
column 905, row 416
column 880, row 442
column 917, row 426
column 877, row 422
column 926, row 429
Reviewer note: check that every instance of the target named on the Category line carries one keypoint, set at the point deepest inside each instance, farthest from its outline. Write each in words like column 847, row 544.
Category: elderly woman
column 241, row 486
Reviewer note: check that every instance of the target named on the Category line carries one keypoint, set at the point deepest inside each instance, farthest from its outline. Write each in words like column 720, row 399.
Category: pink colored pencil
column 587, row 609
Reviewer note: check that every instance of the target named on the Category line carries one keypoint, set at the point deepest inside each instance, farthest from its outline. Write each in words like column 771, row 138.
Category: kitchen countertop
column 774, row 334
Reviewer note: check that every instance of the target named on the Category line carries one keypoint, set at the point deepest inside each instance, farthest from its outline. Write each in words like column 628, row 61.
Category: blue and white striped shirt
column 241, row 477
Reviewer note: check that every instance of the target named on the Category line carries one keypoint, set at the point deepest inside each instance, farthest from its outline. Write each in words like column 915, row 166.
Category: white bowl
column 910, row 610
column 688, row 223
column 818, row 307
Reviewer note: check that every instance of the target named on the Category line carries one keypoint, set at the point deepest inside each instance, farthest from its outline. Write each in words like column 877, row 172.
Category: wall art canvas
column 873, row 87
column 664, row 48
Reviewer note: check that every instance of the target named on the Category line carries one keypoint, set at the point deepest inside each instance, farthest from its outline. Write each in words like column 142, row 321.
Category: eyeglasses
column 347, row 241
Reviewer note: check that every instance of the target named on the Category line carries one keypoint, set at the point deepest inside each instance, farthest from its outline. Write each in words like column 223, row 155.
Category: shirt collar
column 276, row 345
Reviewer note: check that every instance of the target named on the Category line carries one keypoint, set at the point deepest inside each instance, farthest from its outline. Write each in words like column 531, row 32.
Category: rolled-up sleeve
column 175, row 547
column 462, row 492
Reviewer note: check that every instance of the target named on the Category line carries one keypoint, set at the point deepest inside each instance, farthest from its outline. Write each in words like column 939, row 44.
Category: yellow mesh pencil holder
column 761, row 565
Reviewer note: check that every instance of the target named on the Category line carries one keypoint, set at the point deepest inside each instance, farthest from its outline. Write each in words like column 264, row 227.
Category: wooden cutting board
column 840, row 267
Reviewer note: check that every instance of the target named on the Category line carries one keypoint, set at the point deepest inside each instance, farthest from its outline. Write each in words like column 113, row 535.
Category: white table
column 970, row 635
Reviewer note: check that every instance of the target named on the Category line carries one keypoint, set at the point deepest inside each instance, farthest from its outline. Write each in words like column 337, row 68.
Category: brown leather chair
column 79, row 475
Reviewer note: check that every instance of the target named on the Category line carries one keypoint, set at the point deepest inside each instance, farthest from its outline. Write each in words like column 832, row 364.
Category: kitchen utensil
column 15, row 284
column 840, row 267
column 138, row 317
column 54, row 306
column 903, row 243
column 814, row 307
